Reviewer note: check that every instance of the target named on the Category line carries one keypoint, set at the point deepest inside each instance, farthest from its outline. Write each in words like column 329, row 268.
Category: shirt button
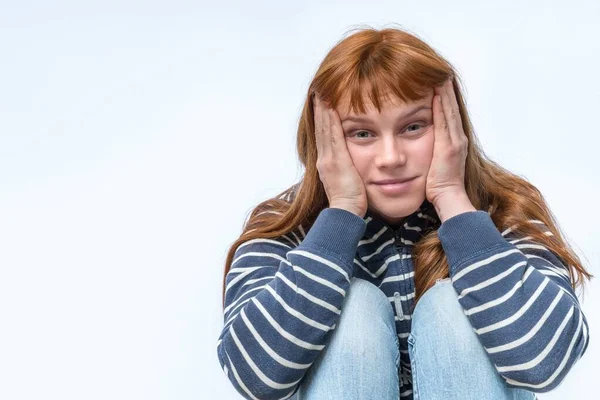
column 398, row 304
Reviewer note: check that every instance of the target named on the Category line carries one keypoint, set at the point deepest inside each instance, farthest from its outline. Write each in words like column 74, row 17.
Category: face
column 394, row 144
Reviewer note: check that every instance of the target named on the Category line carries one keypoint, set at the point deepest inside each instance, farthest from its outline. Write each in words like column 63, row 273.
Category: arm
column 518, row 298
column 281, row 303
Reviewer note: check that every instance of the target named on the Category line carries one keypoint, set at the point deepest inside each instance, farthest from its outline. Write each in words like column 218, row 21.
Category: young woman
column 398, row 207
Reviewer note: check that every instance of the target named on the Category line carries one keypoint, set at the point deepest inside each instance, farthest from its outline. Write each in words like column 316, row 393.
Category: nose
column 391, row 153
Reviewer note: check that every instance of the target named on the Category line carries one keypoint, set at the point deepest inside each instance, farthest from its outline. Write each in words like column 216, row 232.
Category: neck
column 391, row 223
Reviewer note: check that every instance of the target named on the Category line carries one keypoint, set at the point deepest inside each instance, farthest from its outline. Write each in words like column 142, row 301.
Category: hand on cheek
column 445, row 180
column 342, row 183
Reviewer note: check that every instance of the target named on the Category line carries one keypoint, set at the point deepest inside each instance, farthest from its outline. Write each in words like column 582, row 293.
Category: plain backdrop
column 136, row 136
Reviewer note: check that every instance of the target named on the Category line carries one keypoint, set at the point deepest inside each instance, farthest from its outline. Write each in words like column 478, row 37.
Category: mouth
column 393, row 181
column 394, row 186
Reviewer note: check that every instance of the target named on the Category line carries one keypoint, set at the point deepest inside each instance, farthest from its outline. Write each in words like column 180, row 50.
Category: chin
column 394, row 210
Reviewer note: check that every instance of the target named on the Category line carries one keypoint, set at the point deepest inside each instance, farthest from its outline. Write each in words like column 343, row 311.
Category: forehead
column 386, row 100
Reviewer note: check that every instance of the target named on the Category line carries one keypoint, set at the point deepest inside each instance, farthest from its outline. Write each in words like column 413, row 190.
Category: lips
column 392, row 181
column 395, row 187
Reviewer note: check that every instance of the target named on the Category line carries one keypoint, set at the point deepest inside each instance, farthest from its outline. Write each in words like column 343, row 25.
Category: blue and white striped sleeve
column 283, row 298
column 518, row 298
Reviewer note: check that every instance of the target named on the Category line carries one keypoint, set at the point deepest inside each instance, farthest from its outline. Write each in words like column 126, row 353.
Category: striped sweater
column 283, row 298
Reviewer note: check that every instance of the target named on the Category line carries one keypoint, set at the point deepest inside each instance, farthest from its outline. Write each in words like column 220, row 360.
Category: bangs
column 377, row 87
column 380, row 71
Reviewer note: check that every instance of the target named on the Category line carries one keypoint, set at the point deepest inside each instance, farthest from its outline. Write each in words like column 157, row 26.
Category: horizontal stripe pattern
column 284, row 297
column 518, row 297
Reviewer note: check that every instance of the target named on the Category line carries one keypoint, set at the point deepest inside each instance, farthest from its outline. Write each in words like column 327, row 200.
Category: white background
column 135, row 138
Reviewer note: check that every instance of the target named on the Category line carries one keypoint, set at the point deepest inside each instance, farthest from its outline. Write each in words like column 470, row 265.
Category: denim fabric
column 361, row 360
column 447, row 359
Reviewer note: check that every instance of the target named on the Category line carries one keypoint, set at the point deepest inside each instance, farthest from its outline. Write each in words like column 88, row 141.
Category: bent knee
column 440, row 317
column 366, row 325
column 366, row 298
column 366, row 308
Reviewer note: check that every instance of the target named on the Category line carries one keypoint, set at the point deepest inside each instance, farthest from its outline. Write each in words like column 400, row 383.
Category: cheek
column 361, row 158
column 424, row 150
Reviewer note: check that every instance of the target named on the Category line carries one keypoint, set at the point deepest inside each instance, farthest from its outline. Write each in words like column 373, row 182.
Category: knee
column 445, row 350
column 364, row 298
column 439, row 320
column 366, row 314
column 362, row 357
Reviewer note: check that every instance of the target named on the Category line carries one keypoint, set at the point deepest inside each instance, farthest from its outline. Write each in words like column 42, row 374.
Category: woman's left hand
column 446, row 176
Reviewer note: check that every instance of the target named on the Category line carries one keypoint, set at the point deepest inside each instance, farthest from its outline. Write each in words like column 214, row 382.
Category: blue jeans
column 361, row 360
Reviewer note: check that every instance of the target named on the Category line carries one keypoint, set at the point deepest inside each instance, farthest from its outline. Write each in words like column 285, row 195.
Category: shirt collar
column 378, row 234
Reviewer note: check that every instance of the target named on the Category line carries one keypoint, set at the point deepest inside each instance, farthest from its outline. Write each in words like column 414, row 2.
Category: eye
column 417, row 125
column 356, row 133
column 419, row 128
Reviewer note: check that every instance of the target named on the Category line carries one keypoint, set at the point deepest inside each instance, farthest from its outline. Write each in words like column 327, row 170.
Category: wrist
column 452, row 204
column 353, row 209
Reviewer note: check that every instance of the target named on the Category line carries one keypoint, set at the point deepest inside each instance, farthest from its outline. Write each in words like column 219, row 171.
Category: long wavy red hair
column 394, row 61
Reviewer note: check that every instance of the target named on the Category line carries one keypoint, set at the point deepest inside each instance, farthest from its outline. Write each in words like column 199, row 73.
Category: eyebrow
column 408, row 114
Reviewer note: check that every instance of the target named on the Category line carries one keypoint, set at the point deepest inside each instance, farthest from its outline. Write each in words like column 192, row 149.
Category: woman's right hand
column 343, row 184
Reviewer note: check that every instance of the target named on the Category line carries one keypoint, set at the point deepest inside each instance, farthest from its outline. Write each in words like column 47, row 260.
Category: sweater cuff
column 336, row 232
column 468, row 235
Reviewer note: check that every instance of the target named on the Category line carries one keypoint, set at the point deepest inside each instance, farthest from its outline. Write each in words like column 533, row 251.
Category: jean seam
column 413, row 369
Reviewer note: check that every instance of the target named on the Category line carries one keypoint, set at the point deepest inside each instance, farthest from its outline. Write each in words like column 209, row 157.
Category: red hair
column 377, row 64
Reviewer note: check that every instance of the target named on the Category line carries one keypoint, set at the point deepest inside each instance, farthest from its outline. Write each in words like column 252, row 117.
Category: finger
column 443, row 116
column 337, row 133
column 318, row 126
column 441, row 131
column 325, row 130
column 319, row 132
column 451, row 92
column 451, row 111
